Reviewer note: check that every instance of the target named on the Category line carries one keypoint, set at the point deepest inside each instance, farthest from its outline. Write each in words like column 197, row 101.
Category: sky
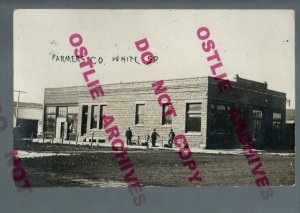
column 257, row 45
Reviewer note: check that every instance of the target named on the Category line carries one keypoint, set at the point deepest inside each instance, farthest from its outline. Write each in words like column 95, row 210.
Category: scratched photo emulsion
column 143, row 98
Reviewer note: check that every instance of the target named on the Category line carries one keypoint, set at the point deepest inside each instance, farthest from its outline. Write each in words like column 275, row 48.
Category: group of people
column 154, row 137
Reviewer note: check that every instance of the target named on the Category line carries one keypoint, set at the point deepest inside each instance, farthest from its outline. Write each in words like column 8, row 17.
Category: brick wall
column 121, row 100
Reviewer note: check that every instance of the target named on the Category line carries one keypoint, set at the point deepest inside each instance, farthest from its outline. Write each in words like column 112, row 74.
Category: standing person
column 154, row 137
column 128, row 135
column 171, row 138
column 148, row 140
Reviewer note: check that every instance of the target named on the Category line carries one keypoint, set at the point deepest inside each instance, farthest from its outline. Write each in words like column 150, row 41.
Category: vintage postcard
column 140, row 98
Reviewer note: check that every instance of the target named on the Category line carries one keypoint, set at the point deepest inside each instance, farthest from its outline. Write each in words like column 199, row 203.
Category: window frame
column 52, row 113
column 101, row 116
column 187, row 107
column 137, row 114
column 72, row 111
column 60, row 109
column 69, row 111
column 277, row 116
column 219, row 119
column 163, row 117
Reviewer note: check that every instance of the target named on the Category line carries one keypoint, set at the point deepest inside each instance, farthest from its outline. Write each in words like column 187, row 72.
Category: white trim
column 135, row 112
column 93, row 103
column 193, row 133
column 290, row 122
column 193, row 101
column 139, row 102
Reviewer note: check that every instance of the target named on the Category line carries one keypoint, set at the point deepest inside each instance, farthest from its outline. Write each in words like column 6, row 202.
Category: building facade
column 71, row 113
column 290, row 128
column 28, row 121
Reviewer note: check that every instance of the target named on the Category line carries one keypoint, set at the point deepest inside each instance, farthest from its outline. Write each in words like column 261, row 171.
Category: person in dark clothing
column 128, row 135
column 154, row 137
column 171, row 138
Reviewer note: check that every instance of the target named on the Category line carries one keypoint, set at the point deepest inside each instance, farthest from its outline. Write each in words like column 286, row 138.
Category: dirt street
column 86, row 166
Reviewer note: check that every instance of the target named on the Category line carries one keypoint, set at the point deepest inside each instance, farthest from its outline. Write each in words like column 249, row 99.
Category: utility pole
column 17, row 107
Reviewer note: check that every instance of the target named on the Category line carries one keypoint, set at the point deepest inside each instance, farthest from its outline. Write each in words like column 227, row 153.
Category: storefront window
column 72, row 120
column 50, row 122
column 62, row 111
column 72, row 109
column 219, row 118
column 50, row 110
column 49, row 126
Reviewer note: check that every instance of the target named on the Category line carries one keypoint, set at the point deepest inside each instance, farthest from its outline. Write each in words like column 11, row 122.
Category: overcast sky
column 255, row 44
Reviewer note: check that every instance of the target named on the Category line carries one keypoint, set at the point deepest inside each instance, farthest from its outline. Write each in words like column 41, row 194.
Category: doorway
column 61, row 128
column 84, row 119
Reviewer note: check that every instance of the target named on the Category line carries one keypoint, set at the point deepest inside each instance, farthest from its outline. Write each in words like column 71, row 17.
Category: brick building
column 71, row 112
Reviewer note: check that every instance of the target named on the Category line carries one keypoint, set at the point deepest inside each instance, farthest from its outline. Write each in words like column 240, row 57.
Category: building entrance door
column 64, row 130
column 84, row 119
column 60, row 127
